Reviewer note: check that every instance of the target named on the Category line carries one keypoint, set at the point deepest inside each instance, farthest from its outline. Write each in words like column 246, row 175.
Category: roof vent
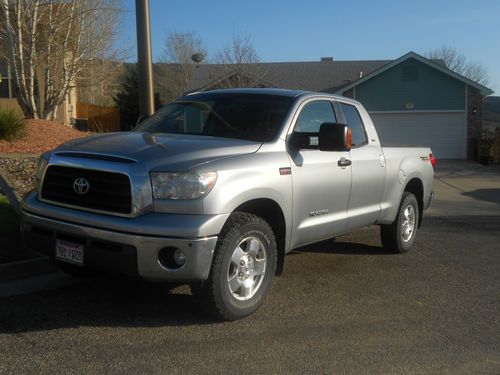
column 327, row 59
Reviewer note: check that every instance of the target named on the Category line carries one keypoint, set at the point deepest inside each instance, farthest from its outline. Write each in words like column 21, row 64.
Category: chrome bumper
column 121, row 251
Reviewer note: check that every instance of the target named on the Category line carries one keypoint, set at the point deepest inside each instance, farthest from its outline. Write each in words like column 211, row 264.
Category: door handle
column 343, row 162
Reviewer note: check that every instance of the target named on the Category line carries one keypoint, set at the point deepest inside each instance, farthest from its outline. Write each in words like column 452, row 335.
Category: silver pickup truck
column 215, row 188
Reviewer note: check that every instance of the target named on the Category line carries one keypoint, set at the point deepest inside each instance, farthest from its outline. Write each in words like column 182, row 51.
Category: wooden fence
column 100, row 119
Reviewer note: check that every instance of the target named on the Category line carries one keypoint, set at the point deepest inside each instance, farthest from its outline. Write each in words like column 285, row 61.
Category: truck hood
column 175, row 151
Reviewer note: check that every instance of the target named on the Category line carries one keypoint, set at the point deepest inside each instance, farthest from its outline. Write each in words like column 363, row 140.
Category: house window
column 409, row 73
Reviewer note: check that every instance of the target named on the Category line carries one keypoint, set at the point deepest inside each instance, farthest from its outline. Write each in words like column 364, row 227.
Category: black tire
column 244, row 237
column 399, row 236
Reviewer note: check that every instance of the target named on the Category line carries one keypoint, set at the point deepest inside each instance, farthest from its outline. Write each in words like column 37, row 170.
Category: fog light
column 179, row 257
column 171, row 258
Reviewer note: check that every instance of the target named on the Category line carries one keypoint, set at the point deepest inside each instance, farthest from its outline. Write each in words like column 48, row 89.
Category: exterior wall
column 349, row 93
column 431, row 90
column 474, row 119
column 4, row 80
column 10, row 104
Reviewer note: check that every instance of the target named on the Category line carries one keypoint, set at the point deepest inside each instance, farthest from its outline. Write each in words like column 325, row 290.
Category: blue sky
column 347, row 30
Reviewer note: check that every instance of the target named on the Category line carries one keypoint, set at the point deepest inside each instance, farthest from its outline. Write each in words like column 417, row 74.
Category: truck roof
column 266, row 91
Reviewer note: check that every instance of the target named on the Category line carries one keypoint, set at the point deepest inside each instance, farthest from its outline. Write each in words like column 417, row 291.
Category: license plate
column 69, row 252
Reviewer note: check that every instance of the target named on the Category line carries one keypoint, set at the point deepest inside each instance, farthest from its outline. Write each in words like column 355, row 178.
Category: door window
column 310, row 119
column 313, row 115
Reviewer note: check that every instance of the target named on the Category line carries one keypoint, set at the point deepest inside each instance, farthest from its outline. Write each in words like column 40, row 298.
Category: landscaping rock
column 20, row 171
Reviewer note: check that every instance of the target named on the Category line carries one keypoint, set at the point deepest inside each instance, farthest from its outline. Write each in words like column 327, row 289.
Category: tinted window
column 354, row 123
column 313, row 115
column 251, row 117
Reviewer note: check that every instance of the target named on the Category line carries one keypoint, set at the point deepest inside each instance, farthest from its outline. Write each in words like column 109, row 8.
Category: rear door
column 320, row 187
column 368, row 171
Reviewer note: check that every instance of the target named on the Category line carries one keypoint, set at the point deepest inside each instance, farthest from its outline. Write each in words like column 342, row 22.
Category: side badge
column 285, row 171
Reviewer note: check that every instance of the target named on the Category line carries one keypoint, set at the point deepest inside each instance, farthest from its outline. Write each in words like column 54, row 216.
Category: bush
column 12, row 125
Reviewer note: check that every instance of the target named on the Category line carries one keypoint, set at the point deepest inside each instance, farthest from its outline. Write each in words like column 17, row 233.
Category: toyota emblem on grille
column 81, row 186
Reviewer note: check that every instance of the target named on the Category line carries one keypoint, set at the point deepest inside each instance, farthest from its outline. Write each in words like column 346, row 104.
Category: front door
column 321, row 187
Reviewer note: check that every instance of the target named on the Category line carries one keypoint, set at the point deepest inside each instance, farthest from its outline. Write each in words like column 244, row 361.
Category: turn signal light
column 348, row 140
column 433, row 160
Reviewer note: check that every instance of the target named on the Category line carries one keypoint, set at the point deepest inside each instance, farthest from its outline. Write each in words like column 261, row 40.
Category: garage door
column 443, row 132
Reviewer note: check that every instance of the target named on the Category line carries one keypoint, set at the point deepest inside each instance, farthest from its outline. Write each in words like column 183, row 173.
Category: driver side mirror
column 334, row 137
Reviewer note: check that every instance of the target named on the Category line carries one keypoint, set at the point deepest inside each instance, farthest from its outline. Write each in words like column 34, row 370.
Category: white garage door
column 443, row 132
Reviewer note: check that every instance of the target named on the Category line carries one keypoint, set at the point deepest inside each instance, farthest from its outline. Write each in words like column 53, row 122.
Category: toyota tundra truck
column 216, row 187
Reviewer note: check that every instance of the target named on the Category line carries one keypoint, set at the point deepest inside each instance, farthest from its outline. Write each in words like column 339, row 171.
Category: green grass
column 9, row 220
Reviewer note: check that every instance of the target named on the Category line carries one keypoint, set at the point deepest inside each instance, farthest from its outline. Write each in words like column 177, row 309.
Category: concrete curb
column 11, row 194
column 37, row 265
column 15, row 156
column 26, row 268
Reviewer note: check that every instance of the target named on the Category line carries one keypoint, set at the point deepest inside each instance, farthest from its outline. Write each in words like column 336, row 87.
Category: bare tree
column 99, row 82
column 457, row 62
column 178, row 50
column 239, row 65
column 49, row 43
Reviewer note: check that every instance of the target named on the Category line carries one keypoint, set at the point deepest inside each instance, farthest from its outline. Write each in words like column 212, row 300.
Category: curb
column 26, row 268
column 39, row 264
column 11, row 194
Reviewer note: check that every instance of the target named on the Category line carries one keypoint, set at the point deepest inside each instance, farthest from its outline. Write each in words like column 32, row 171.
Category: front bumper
column 123, row 251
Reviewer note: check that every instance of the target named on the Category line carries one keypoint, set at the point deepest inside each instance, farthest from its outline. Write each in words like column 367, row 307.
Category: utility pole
column 145, row 68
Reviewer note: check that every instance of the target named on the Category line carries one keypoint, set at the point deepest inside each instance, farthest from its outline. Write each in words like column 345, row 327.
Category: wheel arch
column 416, row 187
column 271, row 212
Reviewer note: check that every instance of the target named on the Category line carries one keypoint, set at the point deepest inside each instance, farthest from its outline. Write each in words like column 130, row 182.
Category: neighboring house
column 65, row 112
column 412, row 100
column 5, row 83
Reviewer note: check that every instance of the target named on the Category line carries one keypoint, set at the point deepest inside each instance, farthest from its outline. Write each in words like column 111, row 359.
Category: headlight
column 182, row 185
column 40, row 169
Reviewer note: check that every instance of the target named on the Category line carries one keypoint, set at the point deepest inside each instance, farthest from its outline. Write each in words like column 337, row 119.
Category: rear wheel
column 242, row 269
column 399, row 236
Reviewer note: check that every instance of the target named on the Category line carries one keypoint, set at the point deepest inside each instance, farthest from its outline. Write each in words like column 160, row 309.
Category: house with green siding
column 412, row 100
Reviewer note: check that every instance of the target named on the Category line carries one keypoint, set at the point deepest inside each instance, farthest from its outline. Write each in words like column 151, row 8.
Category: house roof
column 324, row 76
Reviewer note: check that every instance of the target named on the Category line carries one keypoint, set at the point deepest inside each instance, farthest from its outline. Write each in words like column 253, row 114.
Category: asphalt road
column 341, row 306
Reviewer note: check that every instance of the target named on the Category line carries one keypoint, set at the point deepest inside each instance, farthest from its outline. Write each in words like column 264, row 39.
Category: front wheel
column 243, row 266
column 399, row 236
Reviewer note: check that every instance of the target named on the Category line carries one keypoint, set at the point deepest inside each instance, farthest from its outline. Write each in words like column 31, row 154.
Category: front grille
column 107, row 191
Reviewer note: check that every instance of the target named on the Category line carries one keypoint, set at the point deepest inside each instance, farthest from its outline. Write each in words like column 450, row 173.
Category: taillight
column 433, row 160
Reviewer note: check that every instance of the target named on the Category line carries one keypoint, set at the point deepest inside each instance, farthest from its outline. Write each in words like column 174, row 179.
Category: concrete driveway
column 465, row 188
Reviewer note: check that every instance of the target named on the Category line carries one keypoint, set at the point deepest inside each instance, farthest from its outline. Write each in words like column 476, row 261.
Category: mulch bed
column 18, row 158
column 41, row 136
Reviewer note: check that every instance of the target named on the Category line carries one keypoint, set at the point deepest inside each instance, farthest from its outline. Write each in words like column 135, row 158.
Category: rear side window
column 354, row 123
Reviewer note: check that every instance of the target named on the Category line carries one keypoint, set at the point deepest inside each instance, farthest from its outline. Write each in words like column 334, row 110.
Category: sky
column 293, row 30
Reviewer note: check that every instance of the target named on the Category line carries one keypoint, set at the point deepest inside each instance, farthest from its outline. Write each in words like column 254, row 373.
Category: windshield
column 253, row 117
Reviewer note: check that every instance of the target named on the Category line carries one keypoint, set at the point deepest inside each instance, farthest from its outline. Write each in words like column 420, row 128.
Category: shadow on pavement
column 342, row 246
column 101, row 303
column 488, row 195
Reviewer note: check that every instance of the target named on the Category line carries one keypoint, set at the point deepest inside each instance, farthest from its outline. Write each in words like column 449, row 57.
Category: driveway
column 342, row 306
column 465, row 188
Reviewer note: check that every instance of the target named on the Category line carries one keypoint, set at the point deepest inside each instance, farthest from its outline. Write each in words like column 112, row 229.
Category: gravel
column 20, row 171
